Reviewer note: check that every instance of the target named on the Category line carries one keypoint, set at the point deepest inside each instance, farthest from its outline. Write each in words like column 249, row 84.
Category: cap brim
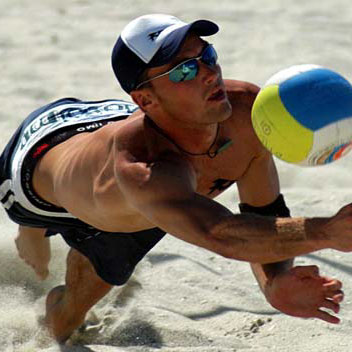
column 174, row 40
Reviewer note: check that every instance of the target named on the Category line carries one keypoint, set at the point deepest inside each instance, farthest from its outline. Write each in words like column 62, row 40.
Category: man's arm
column 259, row 190
column 298, row 291
column 165, row 193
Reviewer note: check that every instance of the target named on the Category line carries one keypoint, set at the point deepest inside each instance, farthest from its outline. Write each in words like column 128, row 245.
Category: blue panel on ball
column 317, row 97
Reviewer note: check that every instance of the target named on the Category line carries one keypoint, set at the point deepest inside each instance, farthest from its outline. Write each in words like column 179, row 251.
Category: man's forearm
column 268, row 239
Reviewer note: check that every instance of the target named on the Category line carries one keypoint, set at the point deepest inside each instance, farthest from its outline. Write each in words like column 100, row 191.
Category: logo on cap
column 154, row 35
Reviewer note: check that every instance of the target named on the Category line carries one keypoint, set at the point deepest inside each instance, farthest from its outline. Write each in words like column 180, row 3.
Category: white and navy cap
column 150, row 41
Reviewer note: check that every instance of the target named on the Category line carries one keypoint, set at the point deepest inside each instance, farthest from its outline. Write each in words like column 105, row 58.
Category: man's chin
column 225, row 110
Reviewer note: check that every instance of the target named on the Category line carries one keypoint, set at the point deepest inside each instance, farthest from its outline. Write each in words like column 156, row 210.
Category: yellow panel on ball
column 277, row 129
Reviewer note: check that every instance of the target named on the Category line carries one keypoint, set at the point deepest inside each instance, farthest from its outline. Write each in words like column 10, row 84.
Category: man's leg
column 34, row 248
column 112, row 255
column 66, row 306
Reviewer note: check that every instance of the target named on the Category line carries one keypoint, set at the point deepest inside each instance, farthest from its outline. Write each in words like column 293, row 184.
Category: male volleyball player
column 113, row 177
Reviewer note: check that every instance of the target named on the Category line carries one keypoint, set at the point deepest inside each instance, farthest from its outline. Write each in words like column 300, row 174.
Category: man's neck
column 193, row 140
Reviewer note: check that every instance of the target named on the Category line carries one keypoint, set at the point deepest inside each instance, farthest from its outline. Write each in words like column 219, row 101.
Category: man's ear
column 143, row 99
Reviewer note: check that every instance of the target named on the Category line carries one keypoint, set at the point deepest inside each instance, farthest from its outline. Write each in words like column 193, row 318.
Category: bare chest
column 215, row 175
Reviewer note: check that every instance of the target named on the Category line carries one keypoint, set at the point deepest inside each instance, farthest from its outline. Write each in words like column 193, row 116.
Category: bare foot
column 34, row 248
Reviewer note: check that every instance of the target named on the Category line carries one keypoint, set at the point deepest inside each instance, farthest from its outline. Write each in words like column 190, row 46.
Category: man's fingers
column 338, row 298
column 333, row 285
column 333, row 291
column 331, row 305
column 320, row 314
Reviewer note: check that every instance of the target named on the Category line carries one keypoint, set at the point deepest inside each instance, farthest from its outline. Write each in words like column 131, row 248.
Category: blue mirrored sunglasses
column 188, row 69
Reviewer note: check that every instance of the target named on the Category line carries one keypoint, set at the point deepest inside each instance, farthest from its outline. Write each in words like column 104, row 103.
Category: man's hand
column 302, row 292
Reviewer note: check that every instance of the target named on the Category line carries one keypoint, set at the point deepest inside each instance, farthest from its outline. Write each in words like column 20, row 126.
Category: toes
column 41, row 272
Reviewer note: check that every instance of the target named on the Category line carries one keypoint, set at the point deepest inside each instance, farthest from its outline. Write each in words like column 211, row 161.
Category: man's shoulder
column 241, row 96
column 134, row 138
column 241, row 92
column 126, row 133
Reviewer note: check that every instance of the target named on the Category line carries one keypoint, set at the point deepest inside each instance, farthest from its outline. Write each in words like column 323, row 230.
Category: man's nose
column 210, row 73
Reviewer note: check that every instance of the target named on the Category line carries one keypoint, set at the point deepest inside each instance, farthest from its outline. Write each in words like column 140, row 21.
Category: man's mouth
column 218, row 95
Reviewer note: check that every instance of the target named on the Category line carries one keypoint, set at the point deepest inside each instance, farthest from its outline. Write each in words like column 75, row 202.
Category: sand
column 181, row 298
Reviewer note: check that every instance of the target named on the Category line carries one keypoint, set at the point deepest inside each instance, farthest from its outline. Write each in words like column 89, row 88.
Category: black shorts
column 113, row 255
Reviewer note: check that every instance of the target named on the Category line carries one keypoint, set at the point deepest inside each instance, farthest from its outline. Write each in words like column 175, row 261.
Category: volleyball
column 303, row 115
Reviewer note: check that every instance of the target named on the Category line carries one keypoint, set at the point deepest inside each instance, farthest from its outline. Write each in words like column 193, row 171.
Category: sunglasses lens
column 209, row 56
column 184, row 72
column 188, row 70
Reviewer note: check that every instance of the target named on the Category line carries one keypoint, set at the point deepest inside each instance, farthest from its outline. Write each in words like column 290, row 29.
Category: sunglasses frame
column 197, row 58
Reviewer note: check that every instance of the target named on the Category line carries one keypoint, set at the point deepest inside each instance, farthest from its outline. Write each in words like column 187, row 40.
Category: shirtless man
column 113, row 177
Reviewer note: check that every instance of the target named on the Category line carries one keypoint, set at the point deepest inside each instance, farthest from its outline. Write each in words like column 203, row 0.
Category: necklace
column 208, row 152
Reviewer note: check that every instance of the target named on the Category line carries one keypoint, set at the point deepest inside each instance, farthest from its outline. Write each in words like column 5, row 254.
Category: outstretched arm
column 165, row 193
